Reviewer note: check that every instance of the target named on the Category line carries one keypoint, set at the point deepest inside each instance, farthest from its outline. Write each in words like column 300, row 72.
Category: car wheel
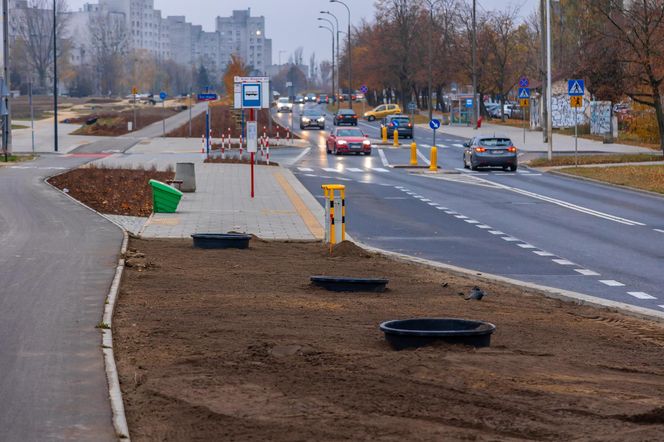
column 371, row 118
column 513, row 168
column 465, row 163
column 472, row 165
column 368, row 153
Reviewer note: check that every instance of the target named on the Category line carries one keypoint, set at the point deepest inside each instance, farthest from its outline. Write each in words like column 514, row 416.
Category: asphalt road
column 57, row 261
column 541, row 228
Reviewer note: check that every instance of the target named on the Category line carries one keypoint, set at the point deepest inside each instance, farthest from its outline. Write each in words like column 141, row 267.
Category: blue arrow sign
column 434, row 124
column 576, row 88
column 524, row 92
column 395, row 123
column 163, row 95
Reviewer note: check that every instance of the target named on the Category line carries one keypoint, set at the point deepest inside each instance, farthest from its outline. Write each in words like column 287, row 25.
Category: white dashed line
column 457, row 145
column 612, row 283
column 496, row 232
column 659, row 230
column 483, row 226
column 383, row 158
column 451, row 212
column 542, row 253
column 563, row 262
column 440, row 208
column 305, row 169
column 641, row 295
column 526, row 246
column 354, row 169
column 661, row 306
column 425, row 200
column 471, row 221
column 379, row 169
column 329, row 169
column 433, row 204
column 510, row 239
column 586, row 272
column 461, row 216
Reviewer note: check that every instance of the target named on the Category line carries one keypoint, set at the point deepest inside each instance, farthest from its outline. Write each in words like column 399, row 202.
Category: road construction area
column 237, row 345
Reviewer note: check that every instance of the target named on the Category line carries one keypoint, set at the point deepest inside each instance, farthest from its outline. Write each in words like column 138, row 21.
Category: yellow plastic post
column 413, row 154
column 384, row 134
column 396, row 138
column 434, row 159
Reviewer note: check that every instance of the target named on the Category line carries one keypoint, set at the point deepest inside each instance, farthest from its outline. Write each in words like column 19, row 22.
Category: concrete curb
column 114, row 392
column 549, row 292
column 604, row 183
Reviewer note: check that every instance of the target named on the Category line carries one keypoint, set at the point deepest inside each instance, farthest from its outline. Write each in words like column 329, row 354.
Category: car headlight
column 342, row 142
column 366, row 143
column 321, row 120
column 305, row 120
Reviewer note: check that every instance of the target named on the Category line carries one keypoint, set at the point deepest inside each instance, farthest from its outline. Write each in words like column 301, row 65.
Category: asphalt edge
column 114, row 392
column 549, row 292
column 604, row 183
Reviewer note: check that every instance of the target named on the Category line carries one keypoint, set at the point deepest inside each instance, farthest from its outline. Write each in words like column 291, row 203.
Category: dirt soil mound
column 112, row 191
column 236, row 345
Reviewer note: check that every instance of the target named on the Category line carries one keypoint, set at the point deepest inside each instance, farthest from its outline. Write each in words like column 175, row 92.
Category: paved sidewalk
column 534, row 143
column 282, row 209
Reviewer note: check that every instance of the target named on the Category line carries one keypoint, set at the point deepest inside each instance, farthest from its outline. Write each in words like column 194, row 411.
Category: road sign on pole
column 207, row 97
column 163, row 95
column 469, row 102
column 524, row 92
column 575, row 101
column 576, row 88
column 524, row 102
column 435, row 125
column 524, row 82
column 251, row 93
column 364, row 89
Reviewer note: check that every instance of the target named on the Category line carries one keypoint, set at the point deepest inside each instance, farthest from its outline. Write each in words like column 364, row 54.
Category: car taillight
column 355, row 116
column 410, row 125
column 480, row 149
column 511, row 149
column 339, row 117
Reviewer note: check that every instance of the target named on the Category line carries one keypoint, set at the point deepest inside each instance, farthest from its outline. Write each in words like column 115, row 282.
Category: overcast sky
column 287, row 22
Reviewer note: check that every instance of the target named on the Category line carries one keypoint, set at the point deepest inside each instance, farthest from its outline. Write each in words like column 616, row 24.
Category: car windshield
column 403, row 121
column 495, row 142
column 347, row 112
column 283, row 100
column 312, row 113
column 350, row 133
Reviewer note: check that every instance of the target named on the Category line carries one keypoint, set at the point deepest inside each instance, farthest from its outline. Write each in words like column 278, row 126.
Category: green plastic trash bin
column 165, row 199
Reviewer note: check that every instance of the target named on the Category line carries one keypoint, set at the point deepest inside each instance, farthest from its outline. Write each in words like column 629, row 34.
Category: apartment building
column 244, row 35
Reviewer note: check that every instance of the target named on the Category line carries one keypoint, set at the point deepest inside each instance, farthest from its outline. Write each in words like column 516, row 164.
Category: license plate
column 497, row 151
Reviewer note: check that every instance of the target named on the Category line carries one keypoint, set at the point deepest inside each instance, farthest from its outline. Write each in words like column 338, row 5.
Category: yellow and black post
column 335, row 213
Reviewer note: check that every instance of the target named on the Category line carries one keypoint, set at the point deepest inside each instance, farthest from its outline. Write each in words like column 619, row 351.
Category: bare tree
column 312, row 67
column 109, row 47
column 298, row 57
column 637, row 28
column 34, row 45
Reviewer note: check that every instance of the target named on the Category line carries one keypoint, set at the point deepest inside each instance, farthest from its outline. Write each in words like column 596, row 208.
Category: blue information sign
column 163, row 95
column 469, row 102
column 434, row 124
column 251, row 95
column 395, row 123
column 524, row 93
column 576, row 88
column 207, row 97
column 412, row 106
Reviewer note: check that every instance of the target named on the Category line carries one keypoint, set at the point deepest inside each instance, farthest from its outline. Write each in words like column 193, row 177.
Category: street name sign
column 576, row 88
column 524, row 92
column 207, row 97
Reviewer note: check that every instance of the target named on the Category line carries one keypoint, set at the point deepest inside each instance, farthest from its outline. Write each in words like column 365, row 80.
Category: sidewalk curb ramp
column 114, row 392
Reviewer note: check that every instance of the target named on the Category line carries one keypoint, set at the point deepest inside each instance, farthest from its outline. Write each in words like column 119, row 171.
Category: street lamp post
column 350, row 69
column 431, row 3
column 336, row 88
column 6, row 123
column 332, row 32
column 549, row 100
column 476, row 110
column 333, row 64
column 55, row 78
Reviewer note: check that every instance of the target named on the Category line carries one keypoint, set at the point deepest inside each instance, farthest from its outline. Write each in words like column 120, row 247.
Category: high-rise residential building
column 244, row 35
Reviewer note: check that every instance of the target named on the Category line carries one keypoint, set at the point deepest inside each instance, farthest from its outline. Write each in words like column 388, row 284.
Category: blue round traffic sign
column 395, row 123
column 163, row 95
column 523, row 82
column 434, row 124
column 364, row 89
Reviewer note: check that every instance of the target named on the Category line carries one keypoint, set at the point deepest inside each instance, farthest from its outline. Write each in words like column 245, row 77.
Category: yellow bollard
column 395, row 134
column 384, row 134
column 413, row 154
column 434, row 159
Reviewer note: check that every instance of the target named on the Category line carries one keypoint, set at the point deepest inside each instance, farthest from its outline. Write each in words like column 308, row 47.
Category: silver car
column 312, row 118
column 490, row 151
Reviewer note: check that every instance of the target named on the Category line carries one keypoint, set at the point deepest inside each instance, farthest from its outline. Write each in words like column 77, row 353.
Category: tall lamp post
column 431, row 3
column 55, row 77
column 6, row 123
column 333, row 64
column 549, row 123
column 476, row 105
column 331, row 32
column 350, row 69
column 336, row 88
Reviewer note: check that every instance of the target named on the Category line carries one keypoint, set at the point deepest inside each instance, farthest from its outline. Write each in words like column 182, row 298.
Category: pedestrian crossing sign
column 576, row 101
column 576, row 88
column 524, row 102
column 524, row 92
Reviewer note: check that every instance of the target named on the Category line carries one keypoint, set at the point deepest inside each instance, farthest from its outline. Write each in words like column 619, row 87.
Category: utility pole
column 475, row 103
column 544, row 121
column 549, row 86
column 55, row 78
column 430, row 86
column 7, row 119
column 350, row 56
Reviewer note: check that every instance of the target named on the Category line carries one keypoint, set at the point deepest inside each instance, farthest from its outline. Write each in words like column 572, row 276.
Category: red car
column 348, row 140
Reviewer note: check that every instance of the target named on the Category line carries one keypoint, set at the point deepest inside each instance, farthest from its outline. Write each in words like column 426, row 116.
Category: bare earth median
column 237, row 345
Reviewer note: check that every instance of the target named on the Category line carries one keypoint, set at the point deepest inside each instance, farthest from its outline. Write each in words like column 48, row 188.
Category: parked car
column 359, row 97
column 382, row 111
column 401, row 123
column 312, row 118
column 323, row 99
column 310, row 98
column 299, row 99
column 345, row 116
column 493, row 109
column 348, row 140
column 284, row 105
column 490, row 151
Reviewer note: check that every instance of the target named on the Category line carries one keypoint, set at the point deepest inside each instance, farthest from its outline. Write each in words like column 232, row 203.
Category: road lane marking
column 563, row 262
column 379, row 169
column 510, row 239
column 433, row 204
column 383, row 158
column 484, row 226
column 423, row 157
column 310, row 175
column 496, row 232
column 612, row 283
column 641, row 295
column 305, row 169
column 440, row 208
column 543, row 253
column 586, row 272
column 461, row 216
column 471, row 221
column 329, row 169
column 457, row 145
column 526, row 246
column 659, row 230
column 354, row 169
column 300, row 156
column 451, row 212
